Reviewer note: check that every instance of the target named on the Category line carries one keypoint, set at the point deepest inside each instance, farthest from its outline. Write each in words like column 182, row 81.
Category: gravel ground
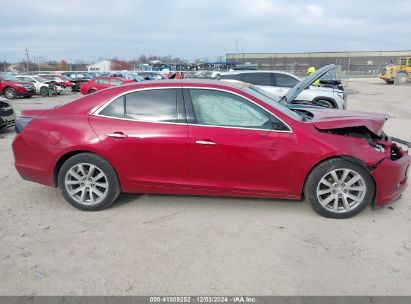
column 174, row 245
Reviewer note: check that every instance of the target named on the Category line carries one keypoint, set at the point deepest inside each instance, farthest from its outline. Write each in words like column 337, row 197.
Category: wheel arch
column 330, row 99
column 63, row 158
column 344, row 157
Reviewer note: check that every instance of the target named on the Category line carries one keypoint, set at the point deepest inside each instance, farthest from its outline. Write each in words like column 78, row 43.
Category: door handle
column 205, row 142
column 117, row 135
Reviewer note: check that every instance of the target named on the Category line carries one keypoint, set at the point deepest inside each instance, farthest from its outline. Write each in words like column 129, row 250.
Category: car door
column 146, row 137
column 236, row 145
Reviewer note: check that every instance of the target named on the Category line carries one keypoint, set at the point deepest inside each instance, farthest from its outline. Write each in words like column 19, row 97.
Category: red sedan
column 209, row 138
column 101, row 83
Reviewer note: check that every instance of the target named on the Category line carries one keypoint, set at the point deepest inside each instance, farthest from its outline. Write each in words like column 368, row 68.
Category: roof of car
column 191, row 81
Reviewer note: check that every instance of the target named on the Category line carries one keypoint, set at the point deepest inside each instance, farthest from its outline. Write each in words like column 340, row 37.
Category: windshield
column 270, row 100
column 8, row 77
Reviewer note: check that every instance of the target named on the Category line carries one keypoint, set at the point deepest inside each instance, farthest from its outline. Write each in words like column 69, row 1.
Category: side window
column 115, row 108
column 258, row 78
column 283, row 80
column 152, row 105
column 224, row 109
column 116, row 82
column 102, row 81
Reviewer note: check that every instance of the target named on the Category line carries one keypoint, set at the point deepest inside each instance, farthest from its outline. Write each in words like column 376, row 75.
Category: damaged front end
column 389, row 173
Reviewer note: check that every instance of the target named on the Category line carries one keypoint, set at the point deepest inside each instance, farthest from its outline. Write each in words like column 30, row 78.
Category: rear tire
column 88, row 182
column 339, row 189
column 389, row 81
column 44, row 91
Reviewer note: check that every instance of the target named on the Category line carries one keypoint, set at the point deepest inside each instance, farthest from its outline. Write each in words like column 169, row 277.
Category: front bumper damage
column 391, row 174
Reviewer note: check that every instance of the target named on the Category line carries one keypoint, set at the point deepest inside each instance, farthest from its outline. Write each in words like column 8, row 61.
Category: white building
column 103, row 65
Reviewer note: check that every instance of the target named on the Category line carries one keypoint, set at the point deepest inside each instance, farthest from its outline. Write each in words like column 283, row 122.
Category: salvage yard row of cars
column 15, row 86
column 211, row 137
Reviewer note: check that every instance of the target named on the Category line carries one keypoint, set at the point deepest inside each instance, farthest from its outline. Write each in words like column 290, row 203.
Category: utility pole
column 236, row 46
column 27, row 56
column 4, row 65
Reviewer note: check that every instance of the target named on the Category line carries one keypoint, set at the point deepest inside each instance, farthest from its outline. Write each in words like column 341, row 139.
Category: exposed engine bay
column 381, row 143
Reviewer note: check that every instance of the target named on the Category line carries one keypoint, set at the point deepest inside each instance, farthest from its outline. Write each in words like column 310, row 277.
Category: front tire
column 338, row 188
column 88, row 182
column 324, row 103
column 402, row 77
column 91, row 91
column 10, row 93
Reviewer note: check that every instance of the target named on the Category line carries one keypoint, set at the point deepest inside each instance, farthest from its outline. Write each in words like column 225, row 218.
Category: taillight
column 21, row 123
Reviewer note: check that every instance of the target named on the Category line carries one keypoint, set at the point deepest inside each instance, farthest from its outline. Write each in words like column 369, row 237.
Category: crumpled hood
column 325, row 119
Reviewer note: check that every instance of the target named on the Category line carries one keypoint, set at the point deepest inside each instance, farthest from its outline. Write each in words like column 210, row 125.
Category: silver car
column 279, row 83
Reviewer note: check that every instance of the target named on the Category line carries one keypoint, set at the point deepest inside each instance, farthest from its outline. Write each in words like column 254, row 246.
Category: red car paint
column 163, row 157
column 106, row 82
column 20, row 87
column 59, row 79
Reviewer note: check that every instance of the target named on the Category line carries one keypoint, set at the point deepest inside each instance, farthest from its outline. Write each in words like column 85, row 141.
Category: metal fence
column 350, row 64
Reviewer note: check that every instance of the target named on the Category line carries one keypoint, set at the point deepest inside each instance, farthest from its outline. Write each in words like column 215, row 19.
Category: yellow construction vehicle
column 399, row 73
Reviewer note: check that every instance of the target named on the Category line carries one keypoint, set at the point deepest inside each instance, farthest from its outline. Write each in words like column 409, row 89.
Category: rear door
column 145, row 133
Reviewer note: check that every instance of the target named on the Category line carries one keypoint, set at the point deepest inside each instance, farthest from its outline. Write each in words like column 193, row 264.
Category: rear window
column 152, row 105
column 115, row 108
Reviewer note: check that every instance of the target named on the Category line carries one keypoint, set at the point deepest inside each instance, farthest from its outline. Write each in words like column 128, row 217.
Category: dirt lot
column 174, row 245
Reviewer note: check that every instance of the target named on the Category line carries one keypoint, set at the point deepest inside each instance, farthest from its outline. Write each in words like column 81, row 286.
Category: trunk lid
column 37, row 111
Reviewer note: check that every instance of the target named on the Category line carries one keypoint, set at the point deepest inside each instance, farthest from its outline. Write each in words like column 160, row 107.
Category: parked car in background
column 63, row 81
column 40, row 83
column 279, row 82
column 134, row 76
column 213, row 138
column 101, row 83
column 151, row 75
column 78, row 78
column 7, row 115
column 204, row 74
column 12, row 88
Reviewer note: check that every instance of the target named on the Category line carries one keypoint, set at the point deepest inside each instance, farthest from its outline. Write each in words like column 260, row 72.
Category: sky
column 197, row 29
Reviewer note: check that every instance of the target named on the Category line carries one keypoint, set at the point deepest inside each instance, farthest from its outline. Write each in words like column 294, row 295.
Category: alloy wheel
column 341, row 190
column 86, row 184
